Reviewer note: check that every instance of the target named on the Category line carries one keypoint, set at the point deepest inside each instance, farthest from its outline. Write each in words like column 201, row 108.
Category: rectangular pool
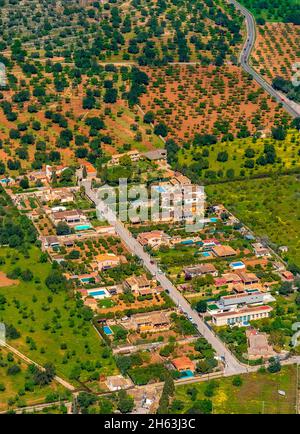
column 214, row 219
column 86, row 279
column 160, row 189
column 98, row 293
column 205, row 254
column 107, row 330
column 237, row 265
column 95, row 293
column 82, row 227
column 186, row 374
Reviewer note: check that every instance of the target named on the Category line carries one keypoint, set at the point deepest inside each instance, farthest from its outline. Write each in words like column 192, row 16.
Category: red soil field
column 191, row 99
column 277, row 49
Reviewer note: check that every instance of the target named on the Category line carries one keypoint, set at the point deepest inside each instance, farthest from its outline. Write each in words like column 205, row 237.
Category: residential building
column 180, row 180
column 231, row 278
column 156, row 155
column 283, row 249
column 106, row 261
column 210, row 242
column 200, row 270
column 50, row 241
column 288, row 276
column 183, row 363
column 241, row 316
column 258, row 346
column 151, row 321
column 154, row 239
column 70, row 217
column 223, row 251
column 134, row 155
column 260, row 250
column 39, row 175
column 57, row 170
column 138, row 284
column 248, row 278
column 61, row 195
column 278, row 266
column 118, row 382
column 228, row 301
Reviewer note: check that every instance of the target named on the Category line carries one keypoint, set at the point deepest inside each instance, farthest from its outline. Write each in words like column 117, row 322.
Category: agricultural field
column 15, row 388
column 269, row 206
column 277, row 49
column 257, row 393
column 195, row 100
column 146, row 31
column 59, row 117
column 53, row 326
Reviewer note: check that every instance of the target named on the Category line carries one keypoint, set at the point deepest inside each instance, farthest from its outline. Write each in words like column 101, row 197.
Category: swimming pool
column 187, row 242
column 214, row 219
column 160, row 189
column 86, row 279
column 186, row 374
column 82, row 227
column 237, row 265
column 205, row 254
column 107, row 330
column 95, row 293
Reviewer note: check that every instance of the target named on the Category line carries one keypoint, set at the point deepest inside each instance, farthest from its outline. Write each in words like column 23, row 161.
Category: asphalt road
column 289, row 106
column 232, row 365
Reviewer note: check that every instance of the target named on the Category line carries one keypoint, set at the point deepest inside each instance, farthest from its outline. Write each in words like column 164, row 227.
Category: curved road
column 232, row 365
column 289, row 106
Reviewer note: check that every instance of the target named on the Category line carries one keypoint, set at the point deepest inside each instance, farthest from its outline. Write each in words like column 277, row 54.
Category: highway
column 289, row 106
column 232, row 365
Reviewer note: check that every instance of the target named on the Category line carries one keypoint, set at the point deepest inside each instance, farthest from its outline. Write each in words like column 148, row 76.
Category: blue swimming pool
column 86, row 279
column 205, row 254
column 107, row 330
column 238, row 264
column 95, row 293
column 186, row 242
column 186, row 374
column 214, row 219
column 82, row 227
column 160, row 189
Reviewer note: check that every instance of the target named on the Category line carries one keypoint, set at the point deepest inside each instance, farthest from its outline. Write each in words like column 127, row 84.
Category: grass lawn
column 14, row 385
column 257, row 394
column 51, row 326
column 271, row 207
column 106, row 303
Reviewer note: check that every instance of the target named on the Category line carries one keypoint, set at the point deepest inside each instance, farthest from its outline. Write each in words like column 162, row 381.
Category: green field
column 52, row 325
column 270, row 206
column 287, row 156
column 257, row 394
column 274, row 10
column 15, row 393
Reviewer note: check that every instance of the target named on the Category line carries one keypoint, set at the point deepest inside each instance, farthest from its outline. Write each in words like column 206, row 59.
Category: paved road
column 232, row 365
column 289, row 106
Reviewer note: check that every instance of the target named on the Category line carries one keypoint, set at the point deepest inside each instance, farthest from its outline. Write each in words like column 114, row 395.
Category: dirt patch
column 5, row 281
